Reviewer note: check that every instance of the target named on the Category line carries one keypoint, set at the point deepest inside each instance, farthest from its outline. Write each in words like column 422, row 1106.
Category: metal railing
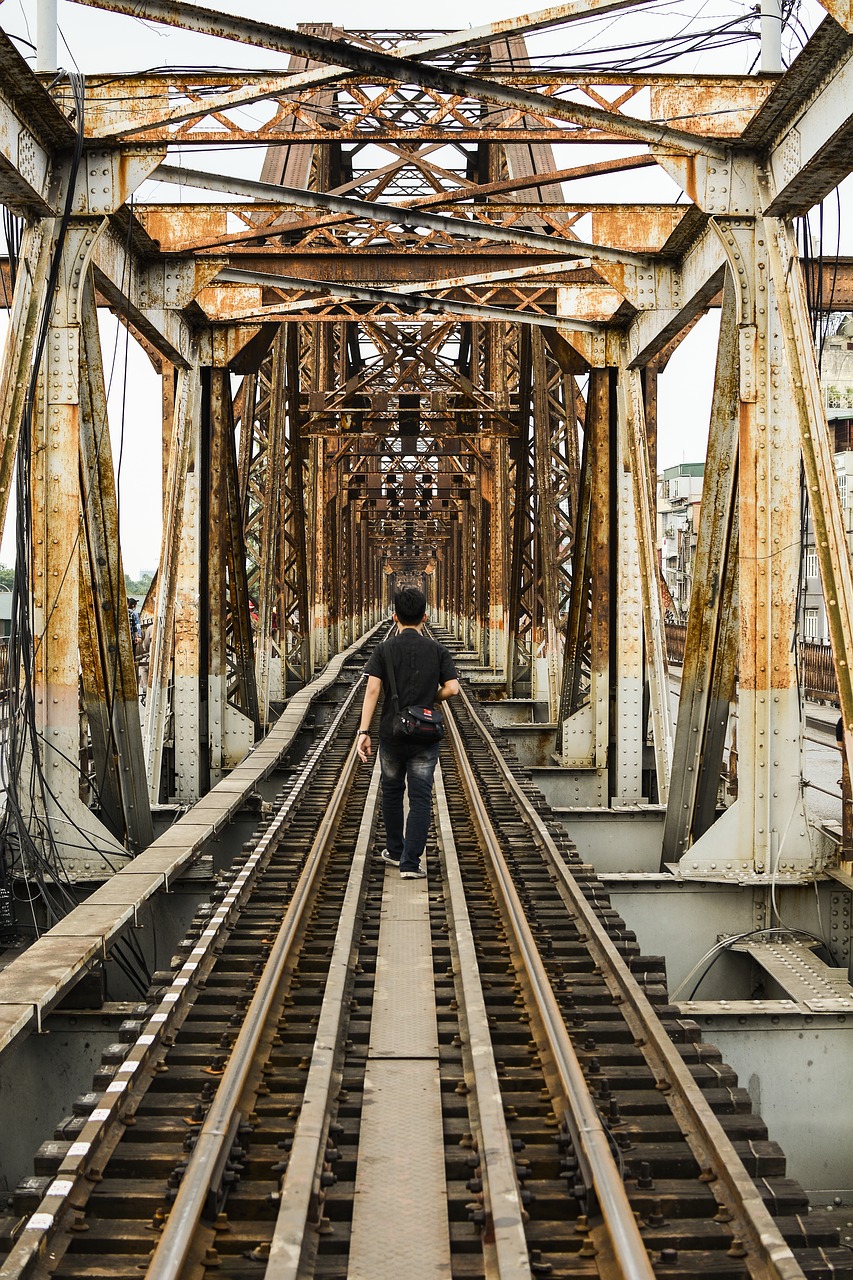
column 817, row 666
column 676, row 636
column 817, row 672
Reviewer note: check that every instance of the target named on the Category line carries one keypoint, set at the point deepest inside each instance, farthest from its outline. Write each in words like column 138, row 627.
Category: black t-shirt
column 421, row 665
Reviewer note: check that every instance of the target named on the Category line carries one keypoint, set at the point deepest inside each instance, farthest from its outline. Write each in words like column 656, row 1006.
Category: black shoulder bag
column 416, row 725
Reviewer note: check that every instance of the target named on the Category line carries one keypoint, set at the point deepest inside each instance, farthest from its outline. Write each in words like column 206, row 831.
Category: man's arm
column 368, row 706
column 449, row 689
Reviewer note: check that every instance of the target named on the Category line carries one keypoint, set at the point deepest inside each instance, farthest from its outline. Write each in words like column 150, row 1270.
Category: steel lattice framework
column 412, row 351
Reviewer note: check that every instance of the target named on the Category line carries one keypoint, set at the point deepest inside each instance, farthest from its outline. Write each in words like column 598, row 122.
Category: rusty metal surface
column 195, row 228
column 634, row 426
column 28, row 300
column 830, row 535
column 180, row 432
column 417, row 415
column 706, row 99
column 374, row 62
column 109, row 676
column 708, row 670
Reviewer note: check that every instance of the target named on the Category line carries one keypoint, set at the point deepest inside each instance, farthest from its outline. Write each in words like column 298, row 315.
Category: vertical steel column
column 233, row 712
column 627, row 668
column 179, row 512
column 55, row 497
column 28, row 303
column 522, row 603
column 457, row 600
column 213, row 663
column 575, row 684
column 475, row 562
column 267, row 430
column 710, row 651
column 600, row 419
column 824, row 503
column 107, row 669
column 483, row 565
column 319, row 559
column 189, row 700
column 546, row 636
column 497, row 549
column 294, row 616
column 764, row 834
column 632, row 418
column 584, row 734
column 496, row 381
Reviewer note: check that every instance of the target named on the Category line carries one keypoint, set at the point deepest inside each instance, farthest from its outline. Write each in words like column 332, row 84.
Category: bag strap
column 392, row 679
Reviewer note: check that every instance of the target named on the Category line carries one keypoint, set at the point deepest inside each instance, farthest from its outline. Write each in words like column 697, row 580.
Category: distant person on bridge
column 133, row 619
column 415, row 673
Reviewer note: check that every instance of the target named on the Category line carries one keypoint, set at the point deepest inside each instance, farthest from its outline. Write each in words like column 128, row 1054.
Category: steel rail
column 175, row 1243
column 770, row 1256
column 299, row 1185
column 592, row 1144
column 117, row 1099
column 505, row 1210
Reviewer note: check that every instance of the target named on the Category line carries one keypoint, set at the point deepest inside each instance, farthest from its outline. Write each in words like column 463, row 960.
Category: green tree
column 139, row 587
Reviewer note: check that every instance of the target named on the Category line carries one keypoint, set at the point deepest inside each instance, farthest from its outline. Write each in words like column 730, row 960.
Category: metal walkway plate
column 400, row 1225
column 802, row 975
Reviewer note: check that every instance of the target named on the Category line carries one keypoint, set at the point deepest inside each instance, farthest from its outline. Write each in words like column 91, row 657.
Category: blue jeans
column 405, row 767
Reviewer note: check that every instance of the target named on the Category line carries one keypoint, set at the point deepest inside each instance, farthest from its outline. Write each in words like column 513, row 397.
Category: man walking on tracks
column 415, row 673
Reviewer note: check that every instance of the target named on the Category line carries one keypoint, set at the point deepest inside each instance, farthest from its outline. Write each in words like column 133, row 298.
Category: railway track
column 345, row 1074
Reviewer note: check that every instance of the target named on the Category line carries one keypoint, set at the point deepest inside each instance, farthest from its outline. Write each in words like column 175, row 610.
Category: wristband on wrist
column 363, row 731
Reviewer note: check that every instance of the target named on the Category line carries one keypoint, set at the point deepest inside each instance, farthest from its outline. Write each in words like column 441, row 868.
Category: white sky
column 96, row 41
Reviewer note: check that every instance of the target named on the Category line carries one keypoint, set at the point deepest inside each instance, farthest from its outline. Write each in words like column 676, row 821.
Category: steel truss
column 395, row 358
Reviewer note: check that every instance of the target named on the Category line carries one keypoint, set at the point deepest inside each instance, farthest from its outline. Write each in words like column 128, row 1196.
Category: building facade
column 837, row 380
column 679, row 496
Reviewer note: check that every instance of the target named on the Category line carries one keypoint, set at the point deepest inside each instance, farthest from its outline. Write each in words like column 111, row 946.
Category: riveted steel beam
column 764, row 834
column 710, row 651
column 411, row 303
column 28, row 302
column 109, row 676
column 181, row 433
column 818, row 462
column 633, row 424
column 33, row 133
column 539, row 19
column 813, row 152
column 405, row 216
column 370, row 62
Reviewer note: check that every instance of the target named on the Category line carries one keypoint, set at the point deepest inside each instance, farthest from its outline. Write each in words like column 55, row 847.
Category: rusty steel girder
column 412, row 336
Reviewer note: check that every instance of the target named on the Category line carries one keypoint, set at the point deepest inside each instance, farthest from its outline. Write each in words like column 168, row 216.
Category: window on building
column 842, row 487
column 811, row 564
column 810, row 625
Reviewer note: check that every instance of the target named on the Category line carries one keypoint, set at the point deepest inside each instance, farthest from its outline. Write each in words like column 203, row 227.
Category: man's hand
column 365, row 750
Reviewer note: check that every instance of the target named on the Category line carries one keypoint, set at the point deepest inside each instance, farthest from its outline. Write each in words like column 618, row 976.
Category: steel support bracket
column 599, row 350
column 724, row 187
column 656, row 287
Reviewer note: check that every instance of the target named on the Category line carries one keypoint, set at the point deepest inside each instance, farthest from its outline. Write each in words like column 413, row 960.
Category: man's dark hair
column 409, row 606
